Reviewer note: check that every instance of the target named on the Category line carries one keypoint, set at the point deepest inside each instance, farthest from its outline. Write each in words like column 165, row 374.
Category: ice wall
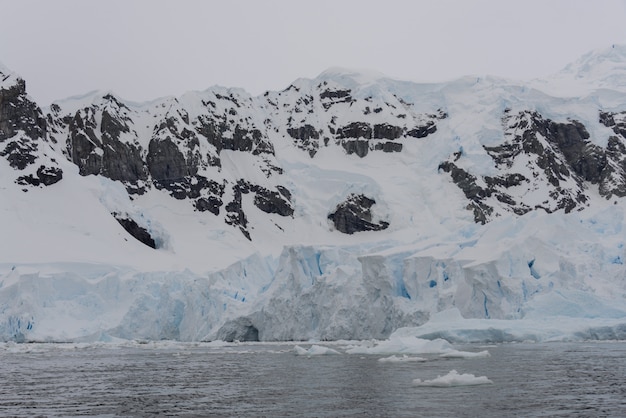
column 538, row 267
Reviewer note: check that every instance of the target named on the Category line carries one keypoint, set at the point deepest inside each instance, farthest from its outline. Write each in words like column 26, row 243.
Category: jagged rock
column 387, row 131
column 354, row 215
column 388, row 146
column 358, row 147
column 95, row 145
column 423, row 131
column 561, row 158
column 166, row 163
column 355, row 130
column 139, row 233
column 211, row 204
column 18, row 113
column 45, row 176
column 307, row 138
column 268, row 201
column 330, row 97
column 273, row 202
column 22, row 132
column 20, row 153
column 234, row 212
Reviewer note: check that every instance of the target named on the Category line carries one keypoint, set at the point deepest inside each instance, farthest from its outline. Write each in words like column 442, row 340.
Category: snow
column 69, row 272
column 453, row 378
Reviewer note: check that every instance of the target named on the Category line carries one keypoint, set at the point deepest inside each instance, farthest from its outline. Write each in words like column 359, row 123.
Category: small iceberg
column 400, row 359
column 315, row 350
column 453, row 378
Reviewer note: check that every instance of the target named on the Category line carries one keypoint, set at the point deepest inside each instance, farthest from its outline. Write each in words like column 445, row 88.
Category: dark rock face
column 613, row 181
column 17, row 113
column 356, row 146
column 354, row 215
column 139, row 233
column 560, row 156
column 23, row 134
column 307, row 138
column 234, row 212
column 278, row 202
column 103, row 151
column 45, row 176
column 166, row 163
column 330, row 97
column 423, row 131
column 387, row 131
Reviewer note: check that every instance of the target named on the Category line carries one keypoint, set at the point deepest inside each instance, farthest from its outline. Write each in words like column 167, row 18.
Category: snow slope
column 70, row 272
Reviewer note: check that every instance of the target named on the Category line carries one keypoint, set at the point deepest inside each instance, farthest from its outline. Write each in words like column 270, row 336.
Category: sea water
column 177, row 379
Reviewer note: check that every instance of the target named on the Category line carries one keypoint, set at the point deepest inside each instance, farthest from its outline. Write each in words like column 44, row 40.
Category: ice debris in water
column 314, row 350
column 400, row 359
column 453, row 378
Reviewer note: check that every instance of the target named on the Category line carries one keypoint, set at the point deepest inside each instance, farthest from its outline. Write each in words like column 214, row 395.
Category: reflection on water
column 552, row 379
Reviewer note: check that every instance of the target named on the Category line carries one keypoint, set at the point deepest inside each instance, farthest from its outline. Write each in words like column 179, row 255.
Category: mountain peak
column 8, row 77
column 596, row 70
column 599, row 62
column 351, row 75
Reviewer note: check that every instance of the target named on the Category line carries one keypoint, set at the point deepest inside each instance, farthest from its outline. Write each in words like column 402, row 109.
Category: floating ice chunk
column 465, row 354
column 398, row 344
column 453, row 378
column 400, row 359
column 314, row 350
column 403, row 345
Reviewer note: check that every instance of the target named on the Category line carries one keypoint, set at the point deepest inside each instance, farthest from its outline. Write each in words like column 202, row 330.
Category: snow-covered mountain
column 342, row 207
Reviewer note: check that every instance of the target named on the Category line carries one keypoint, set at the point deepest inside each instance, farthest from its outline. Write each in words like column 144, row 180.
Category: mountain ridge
column 409, row 198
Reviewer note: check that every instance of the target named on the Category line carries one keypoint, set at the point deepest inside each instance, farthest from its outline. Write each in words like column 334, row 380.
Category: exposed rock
column 560, row 156
column 210, row 203
column 356, row 146
column 355, row 130
column 330, row 97
column 22, row 136
column 387, row 131
column 354, row 215
column 167, row 165
column 101, row 150
column 45, row 176
column 423, row 131
column 273, row 202
column 388, row 146
column 234, row 212
column 139, row 233
column 307, row 138
column 18, row 113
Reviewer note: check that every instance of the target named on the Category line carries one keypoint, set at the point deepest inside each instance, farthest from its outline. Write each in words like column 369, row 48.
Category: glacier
column 500, row 284
column 489, row 227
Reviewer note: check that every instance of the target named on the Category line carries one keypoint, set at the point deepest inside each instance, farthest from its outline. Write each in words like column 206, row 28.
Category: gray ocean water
column 529, row 380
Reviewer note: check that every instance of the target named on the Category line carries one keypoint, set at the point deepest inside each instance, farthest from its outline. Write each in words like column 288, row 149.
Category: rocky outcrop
column 307, row 137
column 355, row 215
column 271, row 202
column 139, row 233
column 23, row 136
column 560, row 157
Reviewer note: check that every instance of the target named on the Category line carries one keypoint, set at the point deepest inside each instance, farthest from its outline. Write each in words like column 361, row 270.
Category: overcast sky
column 144, row 49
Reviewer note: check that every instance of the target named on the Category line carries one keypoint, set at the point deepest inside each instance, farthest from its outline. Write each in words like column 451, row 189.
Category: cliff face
column 23, row 136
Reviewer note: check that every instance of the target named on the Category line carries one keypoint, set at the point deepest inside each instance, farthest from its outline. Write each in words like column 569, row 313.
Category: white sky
column 144, row 49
